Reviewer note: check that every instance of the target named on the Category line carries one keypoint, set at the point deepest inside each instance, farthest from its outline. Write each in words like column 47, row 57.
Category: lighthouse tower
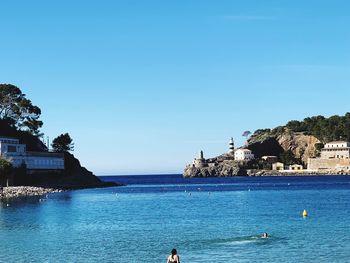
column 200, row 161
column 231, row 147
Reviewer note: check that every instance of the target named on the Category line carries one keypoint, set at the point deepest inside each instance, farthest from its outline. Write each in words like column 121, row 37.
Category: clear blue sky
column 142, row 86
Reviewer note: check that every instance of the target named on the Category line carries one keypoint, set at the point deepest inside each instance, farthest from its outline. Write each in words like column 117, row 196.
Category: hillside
column 298, row 140
column 289, row 146
column 74, row 176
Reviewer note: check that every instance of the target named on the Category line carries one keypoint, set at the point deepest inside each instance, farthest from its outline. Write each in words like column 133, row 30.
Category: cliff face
column 275, row 142
column 302, row 146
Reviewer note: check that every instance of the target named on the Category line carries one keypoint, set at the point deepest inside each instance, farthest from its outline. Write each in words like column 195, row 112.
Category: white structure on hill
column 16, row 153
column 200, row 161
column 243, row 155
column 338, row 150
column 278, row 166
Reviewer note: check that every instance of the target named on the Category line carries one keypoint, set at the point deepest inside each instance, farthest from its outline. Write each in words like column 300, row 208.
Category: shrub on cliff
column 325, row 129
column 63, row 143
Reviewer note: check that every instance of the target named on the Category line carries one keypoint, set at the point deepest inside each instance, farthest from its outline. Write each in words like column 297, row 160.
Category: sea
column 206, row 219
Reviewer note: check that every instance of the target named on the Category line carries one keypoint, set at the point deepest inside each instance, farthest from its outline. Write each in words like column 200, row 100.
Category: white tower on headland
column 201, row 155
column 200, row 161
column 231, row 146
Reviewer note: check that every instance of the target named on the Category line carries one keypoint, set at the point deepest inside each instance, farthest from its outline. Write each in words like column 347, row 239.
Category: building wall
column 16, row 153
column 243, row 155
column 44, row 163
column 328, row 164
column 296, row 167
column 37, row 162
column 12, row 148
column 278, row 166
column 340, row 153
column 333, row 145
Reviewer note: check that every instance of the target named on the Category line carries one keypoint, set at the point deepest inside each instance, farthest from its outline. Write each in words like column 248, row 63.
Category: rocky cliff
column 275, row 142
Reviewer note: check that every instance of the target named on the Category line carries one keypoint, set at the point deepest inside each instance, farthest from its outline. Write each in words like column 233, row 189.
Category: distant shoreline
column 280, row 174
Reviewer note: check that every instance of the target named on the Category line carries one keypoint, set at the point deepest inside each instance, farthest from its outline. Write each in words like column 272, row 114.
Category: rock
column 302, row 146
column 73, row 177
column 22, row 191
column 224, row 167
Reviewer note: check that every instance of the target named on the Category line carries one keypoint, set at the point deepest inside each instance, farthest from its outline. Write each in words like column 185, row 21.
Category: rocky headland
column 73, row 177
column 296, row 143
column 220, row 166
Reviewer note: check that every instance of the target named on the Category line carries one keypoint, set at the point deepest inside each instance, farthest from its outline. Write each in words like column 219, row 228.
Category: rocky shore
column 292, row 173
column 222, row 169
column 24, row 191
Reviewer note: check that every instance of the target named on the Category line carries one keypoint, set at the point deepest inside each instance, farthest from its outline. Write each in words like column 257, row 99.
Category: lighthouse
column 231, row 147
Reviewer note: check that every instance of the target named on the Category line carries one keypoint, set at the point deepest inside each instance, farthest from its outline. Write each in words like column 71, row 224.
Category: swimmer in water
column 264, row 235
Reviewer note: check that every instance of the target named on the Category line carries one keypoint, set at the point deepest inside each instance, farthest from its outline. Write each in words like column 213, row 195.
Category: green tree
column 288, row 158
column 318, row 148
column 325, row 129
column 19, row 110
column 63, row 143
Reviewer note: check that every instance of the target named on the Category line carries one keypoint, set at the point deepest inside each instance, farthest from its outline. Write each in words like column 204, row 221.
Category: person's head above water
column 264, row 235
column 173, row 252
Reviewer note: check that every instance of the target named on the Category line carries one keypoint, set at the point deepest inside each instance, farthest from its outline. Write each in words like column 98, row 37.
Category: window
column 11, row 149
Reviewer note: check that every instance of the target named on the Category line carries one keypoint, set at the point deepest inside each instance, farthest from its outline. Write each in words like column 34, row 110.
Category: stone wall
column 335, row 153
column 328, row 164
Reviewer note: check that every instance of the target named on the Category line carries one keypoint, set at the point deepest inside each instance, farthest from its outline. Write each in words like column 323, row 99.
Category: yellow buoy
column 305, row 214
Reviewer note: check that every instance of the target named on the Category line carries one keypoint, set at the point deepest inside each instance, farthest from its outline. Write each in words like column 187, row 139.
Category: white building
column 278, row 166
column 243, row 155
column 296, row 167
column 16, row 153
column 336, row 150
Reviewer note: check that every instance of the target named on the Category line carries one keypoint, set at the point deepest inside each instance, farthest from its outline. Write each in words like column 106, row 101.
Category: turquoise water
column 213, row 220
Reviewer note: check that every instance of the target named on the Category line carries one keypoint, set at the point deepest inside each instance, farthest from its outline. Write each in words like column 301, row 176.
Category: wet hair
column 173, row 252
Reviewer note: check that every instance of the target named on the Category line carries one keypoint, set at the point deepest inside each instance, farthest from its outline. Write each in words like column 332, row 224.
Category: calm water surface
column 207, row 220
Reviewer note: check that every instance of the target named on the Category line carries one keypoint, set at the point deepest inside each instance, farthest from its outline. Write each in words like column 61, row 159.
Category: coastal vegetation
column 63, row 143
column 20, row 118
column 18, row 111
column 325, row 129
